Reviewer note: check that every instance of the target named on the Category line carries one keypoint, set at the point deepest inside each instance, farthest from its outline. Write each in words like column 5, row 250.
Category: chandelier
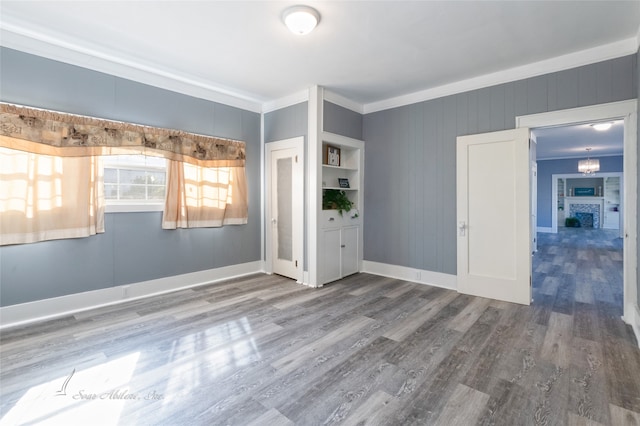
column 588, row 166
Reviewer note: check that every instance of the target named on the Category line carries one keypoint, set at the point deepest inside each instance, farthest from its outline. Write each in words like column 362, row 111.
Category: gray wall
column 342, row 121
column 410, row 183
column 546, row 168
column 286, row 123
column 134, row 247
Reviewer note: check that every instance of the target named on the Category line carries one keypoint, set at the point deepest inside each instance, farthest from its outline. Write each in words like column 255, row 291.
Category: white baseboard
column 545, row 229
column 632, row 317
column 39, row 310
column 420, row 276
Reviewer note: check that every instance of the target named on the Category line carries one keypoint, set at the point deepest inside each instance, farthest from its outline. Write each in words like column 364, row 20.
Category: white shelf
column 337, row 187
column 349, row 169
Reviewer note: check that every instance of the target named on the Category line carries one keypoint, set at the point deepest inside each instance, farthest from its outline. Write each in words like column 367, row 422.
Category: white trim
column 340, row 100
column 572, row 60
column 133, row 208
column 633, row 319
column 296, row 143
column 287, row 101
column 629, row 111
column 19, row 36
column 263, row 193
column 46, row 309
column 314, row 178
column 420, row 276
column 612, row 110
column 579, row 156
column 545, row 230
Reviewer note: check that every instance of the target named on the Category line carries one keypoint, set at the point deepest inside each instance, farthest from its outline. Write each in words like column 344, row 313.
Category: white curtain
column 45, row 197
column 199, row 197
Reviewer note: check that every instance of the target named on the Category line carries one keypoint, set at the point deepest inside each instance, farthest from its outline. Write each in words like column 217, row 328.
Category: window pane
column 116, row 161
column 132, row 176
column 132, row 192
column 110, row 176
column 156, row 192
column 156, row 178
column 130, row 179
column 110, row 192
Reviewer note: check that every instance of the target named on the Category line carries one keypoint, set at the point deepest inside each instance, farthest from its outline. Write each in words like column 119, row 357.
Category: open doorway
column 625, row 111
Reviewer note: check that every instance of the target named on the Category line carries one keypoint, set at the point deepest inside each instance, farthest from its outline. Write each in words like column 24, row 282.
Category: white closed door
column 349, row 250
column 331, row 256
column 494, row 215
column 285, row 211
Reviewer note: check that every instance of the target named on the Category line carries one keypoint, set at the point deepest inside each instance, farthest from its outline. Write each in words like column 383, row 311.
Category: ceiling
column 370, row 54
column 572, row 141
column 364, row 51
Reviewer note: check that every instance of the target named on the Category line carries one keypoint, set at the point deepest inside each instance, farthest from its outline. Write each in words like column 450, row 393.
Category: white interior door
column 494, row 215
column 285, row 209
column 534, row 207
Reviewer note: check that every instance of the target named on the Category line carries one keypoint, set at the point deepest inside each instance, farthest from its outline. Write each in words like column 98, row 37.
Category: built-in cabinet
column 340, row 254
column 603, row 190
column 611, row 202
column 340, row 236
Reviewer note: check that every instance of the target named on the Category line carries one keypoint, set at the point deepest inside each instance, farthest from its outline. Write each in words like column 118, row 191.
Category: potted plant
column 572, row 222
column 335, row 199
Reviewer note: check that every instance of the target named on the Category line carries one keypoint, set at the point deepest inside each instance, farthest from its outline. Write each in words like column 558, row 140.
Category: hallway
column 579, row 266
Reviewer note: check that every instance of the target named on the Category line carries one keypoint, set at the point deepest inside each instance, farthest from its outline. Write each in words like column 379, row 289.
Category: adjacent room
column 380, row 213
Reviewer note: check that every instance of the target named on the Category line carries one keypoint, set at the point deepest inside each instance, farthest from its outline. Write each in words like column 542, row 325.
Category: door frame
column 296, row 143
column 628, row 111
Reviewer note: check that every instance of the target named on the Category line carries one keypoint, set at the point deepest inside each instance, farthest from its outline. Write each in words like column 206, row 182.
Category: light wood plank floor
column 262, row 350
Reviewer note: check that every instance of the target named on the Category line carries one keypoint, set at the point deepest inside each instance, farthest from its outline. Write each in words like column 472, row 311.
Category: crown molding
column 559, row 63
column 340, row 100
column 286, row 101
column 19, row 36
column 579, row 157
column 13, row 35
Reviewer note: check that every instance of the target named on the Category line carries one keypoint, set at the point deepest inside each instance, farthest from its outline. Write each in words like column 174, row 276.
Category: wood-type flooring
column 262, row 350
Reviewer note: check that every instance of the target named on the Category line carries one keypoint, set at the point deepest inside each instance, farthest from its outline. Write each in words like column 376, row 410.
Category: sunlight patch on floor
column 90, row 396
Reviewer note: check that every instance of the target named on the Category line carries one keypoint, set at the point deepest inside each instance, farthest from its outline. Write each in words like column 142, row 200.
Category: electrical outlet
column 418, row 275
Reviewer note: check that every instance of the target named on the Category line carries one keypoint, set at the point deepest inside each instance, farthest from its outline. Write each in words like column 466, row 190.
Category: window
column 134, row 183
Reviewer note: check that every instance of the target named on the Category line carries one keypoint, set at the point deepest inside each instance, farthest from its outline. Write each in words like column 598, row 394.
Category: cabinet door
column 330, row 265
column 349, row 248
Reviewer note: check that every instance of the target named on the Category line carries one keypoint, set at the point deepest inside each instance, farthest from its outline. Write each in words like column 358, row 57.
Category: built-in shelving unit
column 340, row 236
column 603, row 190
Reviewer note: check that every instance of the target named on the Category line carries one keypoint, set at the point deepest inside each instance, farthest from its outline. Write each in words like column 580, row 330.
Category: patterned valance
column 68, row 135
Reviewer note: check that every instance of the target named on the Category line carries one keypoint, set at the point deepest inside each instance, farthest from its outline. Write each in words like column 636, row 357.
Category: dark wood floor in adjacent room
column 263, row 350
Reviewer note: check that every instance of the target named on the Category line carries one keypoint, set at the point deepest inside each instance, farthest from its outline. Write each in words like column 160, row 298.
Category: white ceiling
column 572, row 141
column 370, row 54
column 364, row 51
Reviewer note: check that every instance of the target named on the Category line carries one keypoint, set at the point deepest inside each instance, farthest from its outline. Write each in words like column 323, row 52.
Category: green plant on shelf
column 335, row 199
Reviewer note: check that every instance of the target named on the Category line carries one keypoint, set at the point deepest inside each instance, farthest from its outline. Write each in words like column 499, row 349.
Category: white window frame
column 132, row 206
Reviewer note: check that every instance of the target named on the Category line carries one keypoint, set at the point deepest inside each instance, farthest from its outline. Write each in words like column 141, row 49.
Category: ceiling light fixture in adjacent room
column 602, row 126
column 301, row 20
column 589, row 166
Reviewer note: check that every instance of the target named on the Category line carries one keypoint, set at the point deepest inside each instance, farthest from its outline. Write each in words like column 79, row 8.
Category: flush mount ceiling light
column 301, row 20
column 602, row 126
column 588, row 166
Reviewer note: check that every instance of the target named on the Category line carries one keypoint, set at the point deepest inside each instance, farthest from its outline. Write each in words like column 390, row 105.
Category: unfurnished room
column 318, row 213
